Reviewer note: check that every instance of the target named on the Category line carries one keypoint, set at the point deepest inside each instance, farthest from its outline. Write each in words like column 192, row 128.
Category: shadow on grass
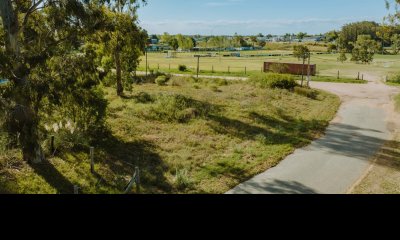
column 283, row 130
column 53, row 177
column 122, row 157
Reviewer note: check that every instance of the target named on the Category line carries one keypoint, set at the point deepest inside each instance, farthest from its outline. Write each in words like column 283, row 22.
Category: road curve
column 335, row 162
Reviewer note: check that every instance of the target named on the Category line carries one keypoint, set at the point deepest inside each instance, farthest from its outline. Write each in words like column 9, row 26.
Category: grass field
column 192, row 136
column 327, row 64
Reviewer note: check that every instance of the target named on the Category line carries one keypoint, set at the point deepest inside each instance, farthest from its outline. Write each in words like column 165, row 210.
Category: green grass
column 327, row 64
column 190, row 136
column 397, row 102
column 336, row 80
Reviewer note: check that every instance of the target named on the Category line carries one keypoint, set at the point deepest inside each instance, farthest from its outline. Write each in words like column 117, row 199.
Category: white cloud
column 228, row 27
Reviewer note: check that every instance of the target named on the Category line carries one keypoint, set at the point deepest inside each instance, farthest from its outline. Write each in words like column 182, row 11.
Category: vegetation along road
column 335, row 162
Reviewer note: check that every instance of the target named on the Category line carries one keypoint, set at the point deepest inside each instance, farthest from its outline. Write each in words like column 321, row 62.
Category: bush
column 161, row 80
column 182, row 179
column 395, row 78
column 274, row 80
column 143, row 97
column 182, row 68
column 177, row 108
column 306, row 92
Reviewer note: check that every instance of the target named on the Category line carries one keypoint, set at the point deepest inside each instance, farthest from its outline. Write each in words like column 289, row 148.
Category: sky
column 248, row 17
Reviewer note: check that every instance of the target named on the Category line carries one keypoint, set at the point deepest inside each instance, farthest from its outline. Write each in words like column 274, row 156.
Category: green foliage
column 364, row 49
column 350, row 33
column 301, row 52
column 395, row 43
column 182, row 68
column 144, row 97
column 342, row 57
column 177, row 108
column 161, row 80
column 331, row 48
column 395, row 78
column 182, row 179
column 306, row 92
column 274, row 80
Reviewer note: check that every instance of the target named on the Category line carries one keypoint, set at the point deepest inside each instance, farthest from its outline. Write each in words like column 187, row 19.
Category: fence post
column 212, row 69
column 137, row 179
column 338, row 74
column 358, row 77
column 76, row 189
column 52, row 149
column 362, row 77
column 92, row 160
column 158, row 66
column 245, row 70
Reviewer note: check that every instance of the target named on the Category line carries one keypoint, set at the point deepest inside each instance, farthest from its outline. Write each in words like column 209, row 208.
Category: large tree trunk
column 120, row 88
column 23, row 119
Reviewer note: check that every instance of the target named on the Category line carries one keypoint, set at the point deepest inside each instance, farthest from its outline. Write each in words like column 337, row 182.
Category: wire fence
column 135, row 180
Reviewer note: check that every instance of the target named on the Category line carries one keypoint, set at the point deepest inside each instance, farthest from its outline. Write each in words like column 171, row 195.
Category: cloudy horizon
column 249, row 17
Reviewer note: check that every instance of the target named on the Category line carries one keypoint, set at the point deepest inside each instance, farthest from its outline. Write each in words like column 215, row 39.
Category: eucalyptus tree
column 122, row 39
column 50, row 67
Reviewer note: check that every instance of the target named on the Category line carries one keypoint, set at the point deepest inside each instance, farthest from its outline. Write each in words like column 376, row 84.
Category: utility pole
column 146, row 59
column 198, row 65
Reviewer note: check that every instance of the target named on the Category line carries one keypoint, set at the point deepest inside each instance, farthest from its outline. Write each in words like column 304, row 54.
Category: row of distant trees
column 189, row 42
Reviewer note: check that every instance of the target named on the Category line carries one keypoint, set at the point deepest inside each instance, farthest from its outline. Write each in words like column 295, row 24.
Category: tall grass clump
column 177, row 108
column 274, row 80
column 394, row 78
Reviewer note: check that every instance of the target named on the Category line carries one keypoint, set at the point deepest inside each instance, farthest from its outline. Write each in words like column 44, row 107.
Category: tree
column 261, row 43
column 342, row 57
column 36, row 36
column 331, row 36
column 364, row 49
column 395, row 43
column 253, row 40
column 287, row 37
column 166, row 38
column 350, row 32
column 300, row 36
column 173, row 42
column 122, row 36
column 301, row 52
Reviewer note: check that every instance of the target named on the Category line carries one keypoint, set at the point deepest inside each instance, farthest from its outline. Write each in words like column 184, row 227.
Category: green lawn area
column 327, row 64
column 191, row 136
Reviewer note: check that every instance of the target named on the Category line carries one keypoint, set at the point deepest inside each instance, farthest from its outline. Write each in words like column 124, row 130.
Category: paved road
column 334, row 163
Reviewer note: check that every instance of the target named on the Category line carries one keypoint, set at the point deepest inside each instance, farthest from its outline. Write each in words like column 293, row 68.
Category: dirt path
column 335, row 162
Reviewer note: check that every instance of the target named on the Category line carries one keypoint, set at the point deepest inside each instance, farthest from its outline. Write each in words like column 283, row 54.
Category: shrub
column 214, row 88
column 274, row 80
column 161, row 80
column 182, row 179
column 143, row 97
column 394, row 78
column 177, row 108
column 182, row 68
column 306, row 92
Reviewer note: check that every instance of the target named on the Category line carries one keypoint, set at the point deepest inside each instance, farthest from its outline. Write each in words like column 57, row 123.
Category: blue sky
column 214, row 17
